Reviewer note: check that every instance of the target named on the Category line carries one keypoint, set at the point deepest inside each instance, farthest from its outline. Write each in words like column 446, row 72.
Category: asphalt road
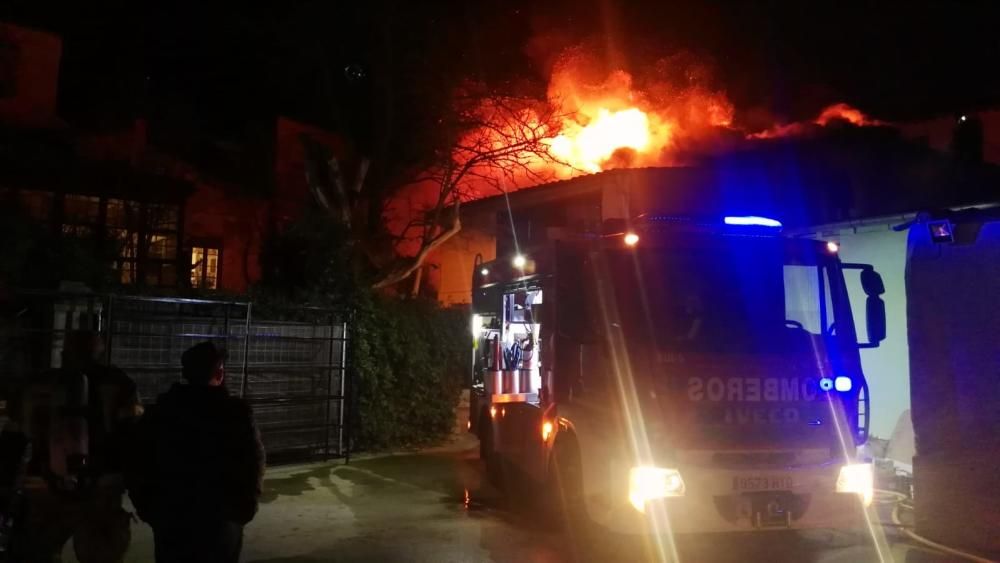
column 435, row 506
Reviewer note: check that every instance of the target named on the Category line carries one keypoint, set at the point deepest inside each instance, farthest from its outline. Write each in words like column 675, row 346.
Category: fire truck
column 678, row 374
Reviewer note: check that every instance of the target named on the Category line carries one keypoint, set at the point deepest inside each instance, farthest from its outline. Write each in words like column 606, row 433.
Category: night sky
column 214, row 68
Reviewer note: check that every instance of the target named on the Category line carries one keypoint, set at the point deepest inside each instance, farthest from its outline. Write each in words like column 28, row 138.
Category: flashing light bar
column 752, row 221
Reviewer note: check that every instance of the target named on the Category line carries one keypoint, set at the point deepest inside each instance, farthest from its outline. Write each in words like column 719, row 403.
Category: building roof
column 833, row 174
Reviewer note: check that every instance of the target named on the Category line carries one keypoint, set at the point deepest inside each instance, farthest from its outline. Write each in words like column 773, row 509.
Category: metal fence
column 290, row 364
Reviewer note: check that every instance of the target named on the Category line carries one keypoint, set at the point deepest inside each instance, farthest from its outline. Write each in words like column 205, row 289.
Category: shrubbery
column 409, row 365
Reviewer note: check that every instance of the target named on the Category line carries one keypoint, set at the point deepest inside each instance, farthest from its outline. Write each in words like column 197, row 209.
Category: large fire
column 592, row 119
column 588, row 147
column 613, row 120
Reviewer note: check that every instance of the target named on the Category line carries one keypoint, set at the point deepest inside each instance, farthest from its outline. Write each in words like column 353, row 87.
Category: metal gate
column 290, row 363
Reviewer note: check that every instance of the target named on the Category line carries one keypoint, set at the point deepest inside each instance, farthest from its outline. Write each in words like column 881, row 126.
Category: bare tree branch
column 328, row 187
column 408, row 267
column 489, row 143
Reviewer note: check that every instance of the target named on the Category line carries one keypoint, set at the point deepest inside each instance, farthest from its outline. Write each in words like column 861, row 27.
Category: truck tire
column 565, row 486
column 491, row 459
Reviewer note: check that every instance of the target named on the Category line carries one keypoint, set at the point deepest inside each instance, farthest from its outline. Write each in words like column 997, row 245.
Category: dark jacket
column 200, row 458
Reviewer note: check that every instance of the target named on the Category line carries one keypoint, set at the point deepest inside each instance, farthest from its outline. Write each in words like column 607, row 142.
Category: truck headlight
column 649, row 483
column 857, row 478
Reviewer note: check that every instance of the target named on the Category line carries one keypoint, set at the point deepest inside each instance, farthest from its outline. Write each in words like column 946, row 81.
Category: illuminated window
column 205, row 267
column 146, row 235
column 127, row 251
column 80, row 215
column 163, row 247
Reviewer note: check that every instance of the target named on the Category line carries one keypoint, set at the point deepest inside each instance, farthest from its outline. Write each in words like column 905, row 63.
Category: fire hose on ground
column 900, row 501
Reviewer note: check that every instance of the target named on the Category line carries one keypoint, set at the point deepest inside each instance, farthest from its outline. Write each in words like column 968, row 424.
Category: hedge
column 410, row 361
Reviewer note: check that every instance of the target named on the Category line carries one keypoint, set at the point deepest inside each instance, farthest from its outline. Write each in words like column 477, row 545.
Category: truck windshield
column 736, row 297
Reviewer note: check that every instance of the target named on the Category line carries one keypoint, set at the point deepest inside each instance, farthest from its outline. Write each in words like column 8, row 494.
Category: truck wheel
column 565, row 485
column 491, row 459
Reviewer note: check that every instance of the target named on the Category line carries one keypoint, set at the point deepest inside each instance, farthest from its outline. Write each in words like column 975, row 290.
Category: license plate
column 762, row 483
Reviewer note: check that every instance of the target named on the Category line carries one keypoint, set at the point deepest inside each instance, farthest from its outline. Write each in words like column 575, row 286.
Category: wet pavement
column 435, row 506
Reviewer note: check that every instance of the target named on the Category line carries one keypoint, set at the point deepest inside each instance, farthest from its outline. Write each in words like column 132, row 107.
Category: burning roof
column 671, row 114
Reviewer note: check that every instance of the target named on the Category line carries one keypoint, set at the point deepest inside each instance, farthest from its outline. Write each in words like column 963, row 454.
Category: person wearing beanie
column 199, row 465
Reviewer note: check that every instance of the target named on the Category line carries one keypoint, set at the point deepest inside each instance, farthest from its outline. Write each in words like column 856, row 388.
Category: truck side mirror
column 874, row 287
column 871, row 282
column 875, row 320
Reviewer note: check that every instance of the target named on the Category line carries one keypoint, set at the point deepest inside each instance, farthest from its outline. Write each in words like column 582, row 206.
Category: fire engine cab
column 678, row 374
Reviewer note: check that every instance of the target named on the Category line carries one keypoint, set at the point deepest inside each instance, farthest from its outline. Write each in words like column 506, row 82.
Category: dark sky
column 215, row 63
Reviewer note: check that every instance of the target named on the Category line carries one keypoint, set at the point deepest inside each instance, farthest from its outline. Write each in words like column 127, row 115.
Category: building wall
column 236, row 226
column 29, row 76
column 239, row 223
column 455, row 260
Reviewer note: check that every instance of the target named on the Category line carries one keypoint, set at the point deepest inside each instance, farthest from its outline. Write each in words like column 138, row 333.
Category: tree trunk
column 418, row 277
column 409, row 267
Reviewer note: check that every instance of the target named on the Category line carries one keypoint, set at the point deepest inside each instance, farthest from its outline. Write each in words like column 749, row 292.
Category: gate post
column 329, row 392
column 110, row 330
column 345, row 389
column 246, row 351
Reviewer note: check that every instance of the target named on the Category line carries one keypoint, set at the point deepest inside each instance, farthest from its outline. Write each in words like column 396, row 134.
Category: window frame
column 204, row 244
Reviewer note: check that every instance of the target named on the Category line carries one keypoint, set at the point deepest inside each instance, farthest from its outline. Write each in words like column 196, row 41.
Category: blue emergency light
column 752, row 221
column 841, row 383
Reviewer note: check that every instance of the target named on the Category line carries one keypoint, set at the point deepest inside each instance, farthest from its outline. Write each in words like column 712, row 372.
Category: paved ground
column 435, row 507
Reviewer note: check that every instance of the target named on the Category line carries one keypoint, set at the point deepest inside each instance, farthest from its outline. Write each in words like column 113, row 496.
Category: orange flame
column 830, row 115
column 613, row 120
column 588, row 147
column 844, row 112
column 610, row 119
